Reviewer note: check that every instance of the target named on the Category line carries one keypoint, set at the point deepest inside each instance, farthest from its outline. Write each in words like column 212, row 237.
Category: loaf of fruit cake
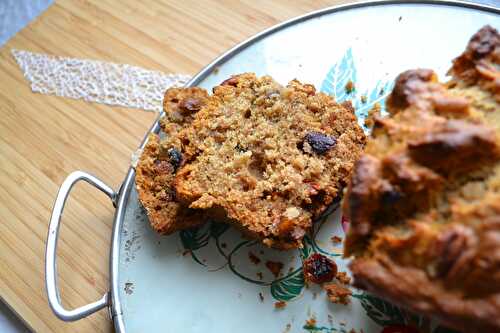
column 424, row 198
column 160, row 160
column 268, row 158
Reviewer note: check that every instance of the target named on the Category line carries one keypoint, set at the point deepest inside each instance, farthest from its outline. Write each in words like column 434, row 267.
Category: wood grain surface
column 43, row 138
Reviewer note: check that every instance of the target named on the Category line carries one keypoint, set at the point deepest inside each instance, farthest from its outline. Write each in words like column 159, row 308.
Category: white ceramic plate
column 202, row 280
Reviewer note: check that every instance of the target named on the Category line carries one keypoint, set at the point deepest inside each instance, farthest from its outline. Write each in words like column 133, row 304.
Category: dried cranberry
column 320, row 143
column 175, row 157
column 319, row 269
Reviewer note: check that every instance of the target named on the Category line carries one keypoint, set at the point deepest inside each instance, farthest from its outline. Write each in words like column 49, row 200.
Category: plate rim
column 115, row 307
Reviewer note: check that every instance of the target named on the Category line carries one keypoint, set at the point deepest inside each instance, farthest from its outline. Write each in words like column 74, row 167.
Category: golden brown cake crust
column 268, row 158
column 153, row 179
column 160, row 161
column 424, row 198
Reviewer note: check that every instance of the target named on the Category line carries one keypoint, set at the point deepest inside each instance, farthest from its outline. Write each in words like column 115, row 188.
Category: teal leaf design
column 317, row 249
column 217, row 229
column 338, row 76
column 194, row 239
column 329, row 210
column 344, row 71
column 307, row 248
column 323, row 329
column 288, row 287
column 230, row 264
column 317, row 224
column 380, row 311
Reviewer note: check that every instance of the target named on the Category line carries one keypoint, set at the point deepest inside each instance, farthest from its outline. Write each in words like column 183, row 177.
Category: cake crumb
column 261, row 297
column 372, row 114
column 253, row 258
column 311, row 322
column 275, row 267
column 343, row 277
column 280, row 304
column 337, row 293
column 315, row 295
column 260, row 275
column 186, row 252
column 287, row 328
column 349, row 87
column 129, row 288
column 363, row 99
column 336, row 239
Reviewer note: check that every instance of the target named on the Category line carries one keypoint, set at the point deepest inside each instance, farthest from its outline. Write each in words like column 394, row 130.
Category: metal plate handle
column 50, row 252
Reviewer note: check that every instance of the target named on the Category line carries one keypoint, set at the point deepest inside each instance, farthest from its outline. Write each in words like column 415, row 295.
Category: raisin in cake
column 424, row 199
column 161, row 159
column 268, row 158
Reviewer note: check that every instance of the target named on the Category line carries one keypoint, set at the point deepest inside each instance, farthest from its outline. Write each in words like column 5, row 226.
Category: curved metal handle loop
column 50, row 252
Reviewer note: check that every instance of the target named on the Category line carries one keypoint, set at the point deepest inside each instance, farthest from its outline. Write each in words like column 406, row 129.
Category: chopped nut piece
column 349, row 87
column 311, row 322
column 343, row 277
column 373, row 113
column 336, row 239
column 280, row 305
column 337, row 293
column 292, row 212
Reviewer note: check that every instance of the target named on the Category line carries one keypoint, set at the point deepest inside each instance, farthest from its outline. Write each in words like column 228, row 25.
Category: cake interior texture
column 268, row 158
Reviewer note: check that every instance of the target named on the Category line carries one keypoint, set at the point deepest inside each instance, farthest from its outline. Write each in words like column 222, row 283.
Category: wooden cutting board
column 43, row 138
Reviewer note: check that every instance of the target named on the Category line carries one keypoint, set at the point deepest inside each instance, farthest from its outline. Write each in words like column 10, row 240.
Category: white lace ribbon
column 97, row 81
